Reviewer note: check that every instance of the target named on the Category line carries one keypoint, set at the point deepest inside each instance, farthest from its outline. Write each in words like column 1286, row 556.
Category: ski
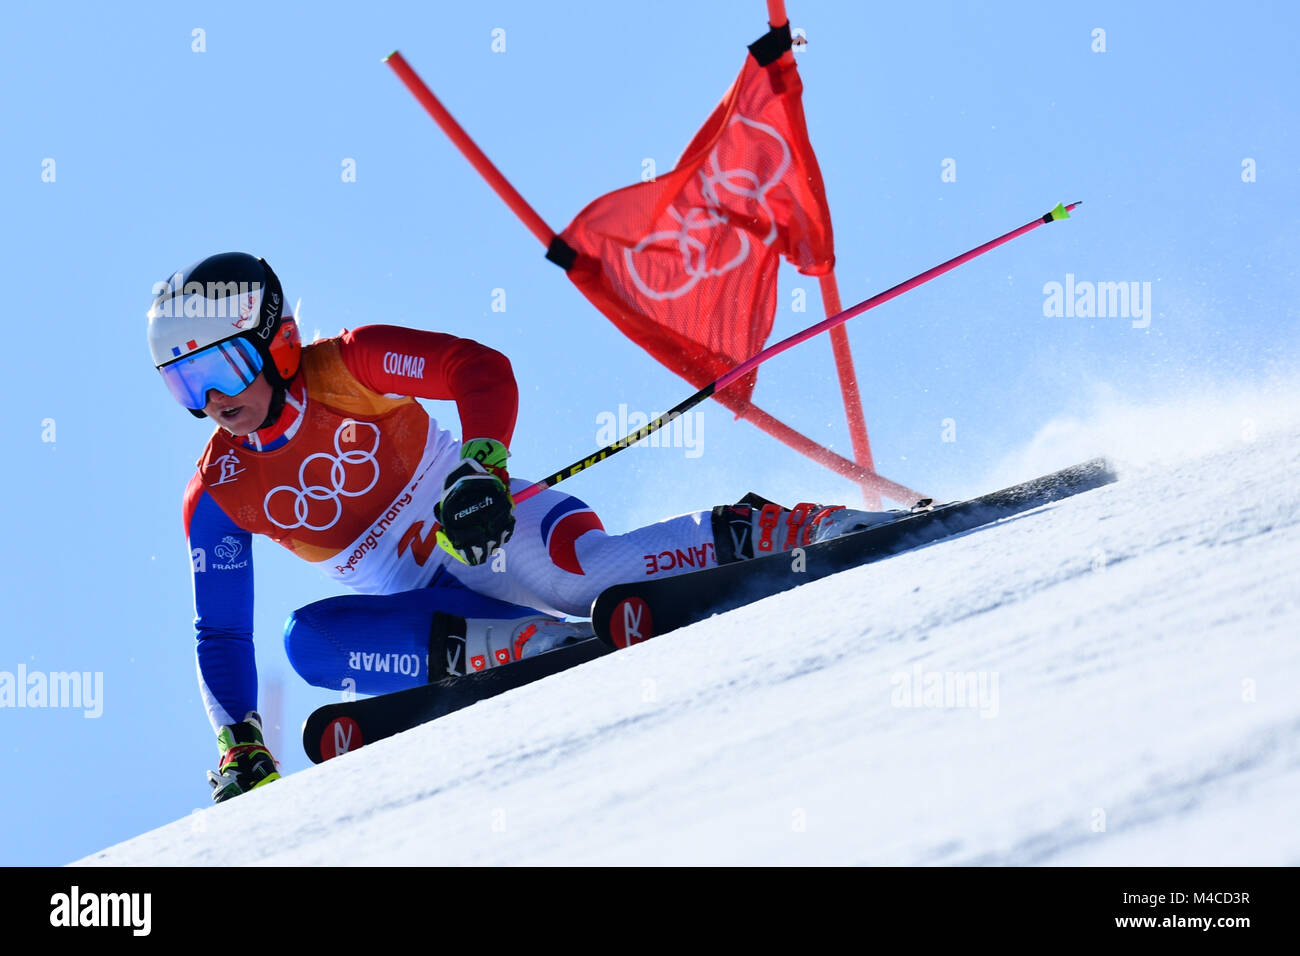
column 336, row 729
column 628, row 614
column 631, row 613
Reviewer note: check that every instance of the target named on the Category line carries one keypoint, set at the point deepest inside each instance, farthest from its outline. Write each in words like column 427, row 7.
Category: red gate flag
column 686, row 265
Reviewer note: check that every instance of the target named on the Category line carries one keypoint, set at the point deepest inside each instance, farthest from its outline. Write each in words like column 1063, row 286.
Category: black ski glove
column 476, row 513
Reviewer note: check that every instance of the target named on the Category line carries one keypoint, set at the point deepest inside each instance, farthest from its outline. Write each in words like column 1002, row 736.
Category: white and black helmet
column 217, row 324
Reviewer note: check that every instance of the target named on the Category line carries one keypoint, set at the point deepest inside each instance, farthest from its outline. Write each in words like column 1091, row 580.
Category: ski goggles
column 229, row 367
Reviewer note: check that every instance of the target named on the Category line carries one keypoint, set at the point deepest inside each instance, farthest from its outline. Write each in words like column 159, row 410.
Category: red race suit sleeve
column 398, row 361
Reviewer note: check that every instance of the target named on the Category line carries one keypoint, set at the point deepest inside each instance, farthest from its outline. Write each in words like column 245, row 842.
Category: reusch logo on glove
column 469, row 511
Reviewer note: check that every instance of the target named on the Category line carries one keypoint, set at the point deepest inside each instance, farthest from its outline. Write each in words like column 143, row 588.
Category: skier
column 324, row 449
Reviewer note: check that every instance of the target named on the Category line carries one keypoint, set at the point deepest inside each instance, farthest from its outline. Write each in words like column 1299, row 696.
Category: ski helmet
column 217, row 324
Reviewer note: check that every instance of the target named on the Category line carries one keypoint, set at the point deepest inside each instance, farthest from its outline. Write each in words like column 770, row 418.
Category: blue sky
column 162, row 155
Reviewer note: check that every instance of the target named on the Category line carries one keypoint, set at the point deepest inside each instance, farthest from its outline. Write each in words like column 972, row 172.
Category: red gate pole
column 776, row 16
column 863, row 474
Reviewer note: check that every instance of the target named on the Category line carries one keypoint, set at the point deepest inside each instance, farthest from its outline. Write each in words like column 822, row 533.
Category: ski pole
column 1060, row 212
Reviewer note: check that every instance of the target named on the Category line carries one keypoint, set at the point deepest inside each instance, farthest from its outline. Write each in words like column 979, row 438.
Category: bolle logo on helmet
column 270, row 316
column 294, row 505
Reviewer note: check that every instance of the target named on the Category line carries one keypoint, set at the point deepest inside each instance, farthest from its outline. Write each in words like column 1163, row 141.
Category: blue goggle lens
column 229, row 367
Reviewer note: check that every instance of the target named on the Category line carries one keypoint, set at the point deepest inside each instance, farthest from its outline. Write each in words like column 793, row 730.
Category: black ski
column 631, row 613
column 338, row 728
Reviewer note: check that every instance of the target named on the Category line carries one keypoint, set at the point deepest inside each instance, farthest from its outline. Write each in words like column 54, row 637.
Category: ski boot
column 459, row 645
column 754, row 527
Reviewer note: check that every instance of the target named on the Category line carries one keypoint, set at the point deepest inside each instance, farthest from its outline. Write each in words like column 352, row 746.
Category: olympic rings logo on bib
column 343, row 467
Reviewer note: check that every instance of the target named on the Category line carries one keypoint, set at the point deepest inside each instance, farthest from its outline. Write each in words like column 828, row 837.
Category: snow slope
column 1132, row 654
